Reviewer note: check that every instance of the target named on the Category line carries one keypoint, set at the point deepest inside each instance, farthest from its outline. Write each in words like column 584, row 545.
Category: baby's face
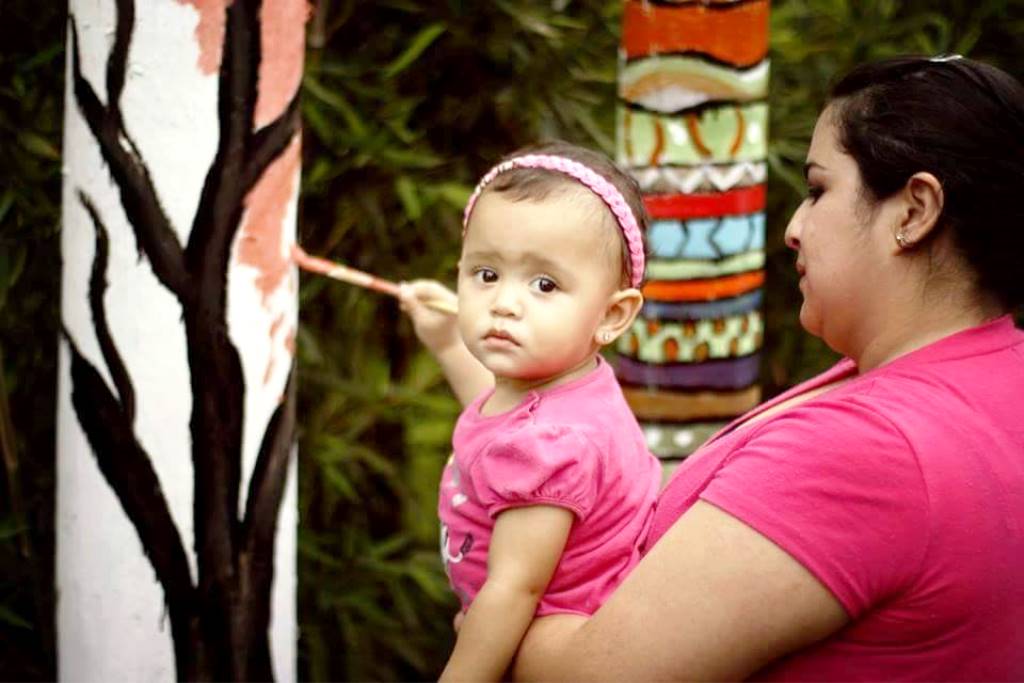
column 535, row 281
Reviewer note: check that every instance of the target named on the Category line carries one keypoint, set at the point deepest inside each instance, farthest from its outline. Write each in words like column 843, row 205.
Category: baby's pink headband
column 597, row 184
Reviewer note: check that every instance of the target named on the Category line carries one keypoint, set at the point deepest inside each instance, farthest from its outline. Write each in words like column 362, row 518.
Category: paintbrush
column 352, row 276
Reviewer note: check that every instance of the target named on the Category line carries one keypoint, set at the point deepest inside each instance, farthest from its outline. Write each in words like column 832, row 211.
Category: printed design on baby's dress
column 457, row 499
column 449, row 559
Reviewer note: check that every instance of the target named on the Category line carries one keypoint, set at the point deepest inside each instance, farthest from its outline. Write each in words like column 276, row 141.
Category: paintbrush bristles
column 442, row 305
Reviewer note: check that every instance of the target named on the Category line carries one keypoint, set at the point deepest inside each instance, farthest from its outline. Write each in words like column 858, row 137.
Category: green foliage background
column 405, row 104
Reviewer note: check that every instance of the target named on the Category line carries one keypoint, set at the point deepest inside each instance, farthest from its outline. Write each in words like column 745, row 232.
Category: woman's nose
column 792, row 235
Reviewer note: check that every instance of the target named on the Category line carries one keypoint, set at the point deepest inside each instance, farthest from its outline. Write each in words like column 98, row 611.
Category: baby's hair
column 537, row 184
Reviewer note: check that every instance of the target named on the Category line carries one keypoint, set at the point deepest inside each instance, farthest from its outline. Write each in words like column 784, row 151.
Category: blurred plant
column 31, row 95
column 405, row 103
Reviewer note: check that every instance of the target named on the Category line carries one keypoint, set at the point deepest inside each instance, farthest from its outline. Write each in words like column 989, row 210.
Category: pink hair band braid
column 595, row 182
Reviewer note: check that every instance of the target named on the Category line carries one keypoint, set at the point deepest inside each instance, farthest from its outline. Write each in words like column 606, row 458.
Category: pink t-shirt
column 902, row 491
column 576, row 446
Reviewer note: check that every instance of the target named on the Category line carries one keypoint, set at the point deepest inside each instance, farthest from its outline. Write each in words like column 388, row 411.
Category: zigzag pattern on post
column 707, row 177
column 692, row 129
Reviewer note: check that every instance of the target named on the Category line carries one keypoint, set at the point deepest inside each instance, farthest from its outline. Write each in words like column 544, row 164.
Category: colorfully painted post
column 176, row 500
column 692, row 129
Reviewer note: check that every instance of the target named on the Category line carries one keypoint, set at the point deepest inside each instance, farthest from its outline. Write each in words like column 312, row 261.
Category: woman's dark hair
column 536, row 184
column 963, row 122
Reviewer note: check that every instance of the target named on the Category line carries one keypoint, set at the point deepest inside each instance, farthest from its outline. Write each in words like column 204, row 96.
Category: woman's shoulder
column 839, row 440
column 962, row 373
column 846, row 418
column 950, row 404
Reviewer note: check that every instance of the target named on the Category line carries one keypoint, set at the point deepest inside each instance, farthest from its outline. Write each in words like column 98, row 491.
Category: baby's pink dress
column 576, row 446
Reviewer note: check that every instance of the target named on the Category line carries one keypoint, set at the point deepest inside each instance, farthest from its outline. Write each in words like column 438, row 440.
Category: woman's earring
column 901, row 240
column 606, row 337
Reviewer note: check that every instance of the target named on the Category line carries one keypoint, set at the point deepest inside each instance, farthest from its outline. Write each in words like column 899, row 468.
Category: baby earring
column 606, row 337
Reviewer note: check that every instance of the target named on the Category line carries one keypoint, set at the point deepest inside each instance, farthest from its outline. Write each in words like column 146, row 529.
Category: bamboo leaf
column 38, row 145
column 337, row 102
column 409, row 196
column 6, row 202
column 455, row 194
column 409, row 158
column 420, row 42
column 42, row 58
column 389, row 546
column 340, row 483
column 9, row 617
column 428, row 581
column 9, row 528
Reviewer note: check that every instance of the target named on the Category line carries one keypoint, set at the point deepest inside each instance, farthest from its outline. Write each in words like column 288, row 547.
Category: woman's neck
column 509, row 391
column 924, row 326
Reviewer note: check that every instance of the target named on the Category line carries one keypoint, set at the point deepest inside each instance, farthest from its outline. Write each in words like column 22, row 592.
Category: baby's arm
column 439, row 332
column 526, row 545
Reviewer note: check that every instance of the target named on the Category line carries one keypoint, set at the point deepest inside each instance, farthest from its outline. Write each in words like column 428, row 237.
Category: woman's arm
column 713, row 600
column 526, row 546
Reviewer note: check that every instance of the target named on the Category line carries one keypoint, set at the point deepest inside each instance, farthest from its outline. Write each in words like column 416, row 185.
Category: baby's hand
column 439, row 331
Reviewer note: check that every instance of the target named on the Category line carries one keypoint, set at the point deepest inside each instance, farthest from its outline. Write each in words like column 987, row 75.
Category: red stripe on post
column 703, row 290
column 685, row 206
column 737, row 35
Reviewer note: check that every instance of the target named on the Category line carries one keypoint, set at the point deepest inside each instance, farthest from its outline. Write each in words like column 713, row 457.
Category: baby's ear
column 622, row 308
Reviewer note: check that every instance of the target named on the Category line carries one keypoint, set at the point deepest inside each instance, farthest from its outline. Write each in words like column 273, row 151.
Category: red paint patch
column 209, row 32
column 276, row 325
column 283, row 44
column 289, row 342
column 270, row 371
column 261, row 242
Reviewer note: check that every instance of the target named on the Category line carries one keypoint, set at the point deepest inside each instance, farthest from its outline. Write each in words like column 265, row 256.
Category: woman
column 868, row 524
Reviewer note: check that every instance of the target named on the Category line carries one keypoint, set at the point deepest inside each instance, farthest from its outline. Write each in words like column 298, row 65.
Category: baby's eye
column 544, row 284
column 814, row 192
column 485, row 275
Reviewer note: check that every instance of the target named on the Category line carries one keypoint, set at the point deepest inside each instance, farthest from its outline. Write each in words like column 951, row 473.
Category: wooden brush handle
column 352, row 276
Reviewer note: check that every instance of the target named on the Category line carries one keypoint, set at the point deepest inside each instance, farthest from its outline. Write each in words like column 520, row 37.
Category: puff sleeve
column 537, row 465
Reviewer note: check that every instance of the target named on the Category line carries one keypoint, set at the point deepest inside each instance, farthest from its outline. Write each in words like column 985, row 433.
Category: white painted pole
column 179, row 306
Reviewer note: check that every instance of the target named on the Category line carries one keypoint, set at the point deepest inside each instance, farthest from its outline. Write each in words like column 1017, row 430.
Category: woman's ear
column 924, row 201
column 623, row 307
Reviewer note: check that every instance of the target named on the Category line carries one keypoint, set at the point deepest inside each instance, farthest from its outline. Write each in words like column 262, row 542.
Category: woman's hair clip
column 945, row 58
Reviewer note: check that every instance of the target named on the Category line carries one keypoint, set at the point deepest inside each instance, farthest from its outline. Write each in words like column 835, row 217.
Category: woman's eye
column 814, row 192
column 485, row 275
column 545, row 285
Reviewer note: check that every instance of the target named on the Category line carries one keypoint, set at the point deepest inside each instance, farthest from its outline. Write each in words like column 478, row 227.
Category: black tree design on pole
column 219, row 623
